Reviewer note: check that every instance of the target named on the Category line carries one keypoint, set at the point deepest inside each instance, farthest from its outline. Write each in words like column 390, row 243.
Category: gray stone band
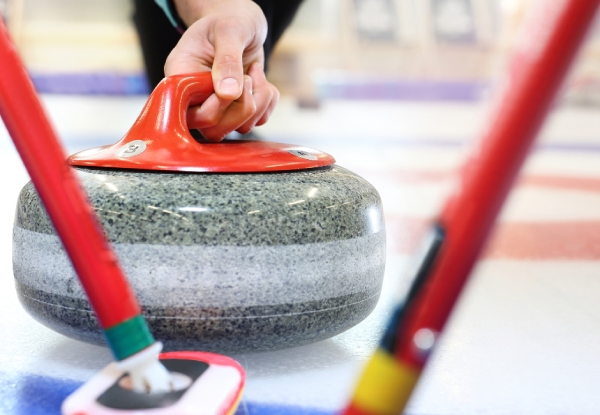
column 209, row 276
column 303, row 207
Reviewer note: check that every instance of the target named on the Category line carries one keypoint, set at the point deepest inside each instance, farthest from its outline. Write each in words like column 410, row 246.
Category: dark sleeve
column 158, row 37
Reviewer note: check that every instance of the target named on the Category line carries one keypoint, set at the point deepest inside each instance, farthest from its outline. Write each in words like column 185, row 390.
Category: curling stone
column 230, row 247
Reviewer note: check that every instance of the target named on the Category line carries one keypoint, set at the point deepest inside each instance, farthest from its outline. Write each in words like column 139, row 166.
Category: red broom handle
column 66, row 203
column 536, row 71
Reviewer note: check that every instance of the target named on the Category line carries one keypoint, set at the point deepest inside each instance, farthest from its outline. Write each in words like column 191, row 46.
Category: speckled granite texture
column 221, row 262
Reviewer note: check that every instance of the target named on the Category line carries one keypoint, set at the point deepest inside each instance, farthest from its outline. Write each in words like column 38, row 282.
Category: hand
column 225, row 36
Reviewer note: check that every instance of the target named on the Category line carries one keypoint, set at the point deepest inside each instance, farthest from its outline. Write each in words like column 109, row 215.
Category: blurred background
column 394, row 89
column 349, row 49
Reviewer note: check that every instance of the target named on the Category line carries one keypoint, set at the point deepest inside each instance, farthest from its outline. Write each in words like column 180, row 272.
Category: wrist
column 191, row 11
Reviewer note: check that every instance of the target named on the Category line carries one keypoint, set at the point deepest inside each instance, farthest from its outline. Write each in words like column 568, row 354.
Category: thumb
column 228, row 68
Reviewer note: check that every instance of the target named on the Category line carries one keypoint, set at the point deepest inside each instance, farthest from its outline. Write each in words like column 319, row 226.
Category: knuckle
column 205, row 121
column 210, row 120
column 276, row 94
column 249, row 109
column 262, row 120
column 226, row 59
column 270, row 96
column 227, row 26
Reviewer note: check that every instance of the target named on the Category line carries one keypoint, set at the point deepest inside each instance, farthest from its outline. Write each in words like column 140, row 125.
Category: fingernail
column 229, row 86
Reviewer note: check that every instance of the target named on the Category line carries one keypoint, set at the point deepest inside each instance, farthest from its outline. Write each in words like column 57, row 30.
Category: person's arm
column 225, row 36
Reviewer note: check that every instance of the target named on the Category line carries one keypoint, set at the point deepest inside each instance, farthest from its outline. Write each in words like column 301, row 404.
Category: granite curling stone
column 220, row 261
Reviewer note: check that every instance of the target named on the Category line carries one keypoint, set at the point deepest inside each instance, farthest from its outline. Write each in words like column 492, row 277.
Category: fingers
column 208, row 114
column 265, row 96
column 216, row 118
column 270, row 108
